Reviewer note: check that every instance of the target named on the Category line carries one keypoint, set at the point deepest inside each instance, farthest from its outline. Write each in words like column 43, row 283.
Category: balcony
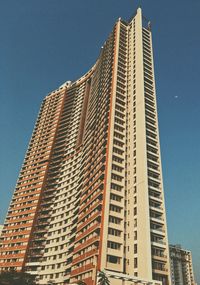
column 160, row 257
column 158, row 243
column 155, row 196
column 160, row 271
column 44, row 230
column 157, row 209
column 43, row 223
column 33, row 264
column 158, row 231
column 41, row 238
column 81, row 269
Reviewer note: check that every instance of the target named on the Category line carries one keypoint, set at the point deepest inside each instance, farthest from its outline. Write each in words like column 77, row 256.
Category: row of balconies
column 87, row 191
column 146, row 44
column 149, row 94
column 91, row 197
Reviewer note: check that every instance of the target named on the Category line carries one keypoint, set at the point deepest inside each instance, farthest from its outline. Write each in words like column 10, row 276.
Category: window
column 117, row 168
column 117, row 159
column 116, row 187
column 115, row 208
column 114, row 245
column 114, row 220
column 135, row 262
column 114, row 232
column 115, row 197
column 135, row 235
column 135, row 248
column 116, row 177
column 113, row 259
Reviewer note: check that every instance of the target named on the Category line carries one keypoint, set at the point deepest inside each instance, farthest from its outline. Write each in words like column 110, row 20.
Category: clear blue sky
column 44, row 43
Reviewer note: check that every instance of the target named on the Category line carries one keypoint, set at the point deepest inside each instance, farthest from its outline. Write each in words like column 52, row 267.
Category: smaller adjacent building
column 181, row 266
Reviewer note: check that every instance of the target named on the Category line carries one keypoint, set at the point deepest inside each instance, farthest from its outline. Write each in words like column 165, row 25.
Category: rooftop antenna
column 149, row 26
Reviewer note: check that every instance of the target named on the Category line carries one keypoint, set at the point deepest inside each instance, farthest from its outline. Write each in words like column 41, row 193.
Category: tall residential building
column 181, row 266
column 90, row 195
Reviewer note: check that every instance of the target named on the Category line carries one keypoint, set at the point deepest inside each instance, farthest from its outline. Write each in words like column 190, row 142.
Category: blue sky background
column 44, row 43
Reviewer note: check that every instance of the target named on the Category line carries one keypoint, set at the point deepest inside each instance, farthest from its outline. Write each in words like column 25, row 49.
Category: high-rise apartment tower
column 89, row 195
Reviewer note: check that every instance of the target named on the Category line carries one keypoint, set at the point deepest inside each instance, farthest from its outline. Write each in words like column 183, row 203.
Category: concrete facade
column 90, row 195
column 1, row 228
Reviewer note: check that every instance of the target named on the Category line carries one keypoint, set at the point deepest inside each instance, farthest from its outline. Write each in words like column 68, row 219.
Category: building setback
column 181, row 266
column 90, row 195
